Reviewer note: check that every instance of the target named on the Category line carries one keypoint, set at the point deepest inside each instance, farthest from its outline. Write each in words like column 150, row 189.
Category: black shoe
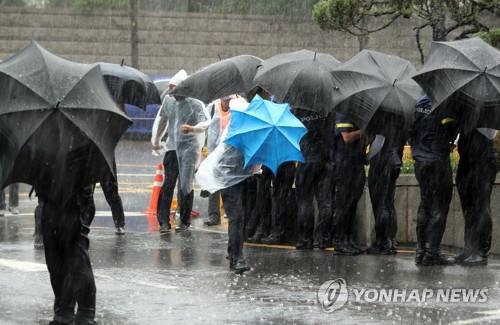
column 461, row 257
column 120, row 231
column 304, row 245
column 322, row 244
column 437, row 259
column 354, row 246
column 165, row 229
column 240, row 267
column 212, row 220
column 272, row 239
column 256, row 238
column 419, row 256
column 181, row 227
column 377, row 249
column 474, row 260
column 345, row 250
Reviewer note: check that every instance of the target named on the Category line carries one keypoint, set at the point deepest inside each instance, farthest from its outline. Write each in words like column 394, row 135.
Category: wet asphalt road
column 145, row 278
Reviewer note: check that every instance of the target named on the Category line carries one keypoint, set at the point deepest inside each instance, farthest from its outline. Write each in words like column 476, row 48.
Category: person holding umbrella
column 385, row 158
column 475, row 178
column 59, row 128
column 432, row 137
column 254, row 132
column 349, row 183
column 223, row 172
column 313, row 179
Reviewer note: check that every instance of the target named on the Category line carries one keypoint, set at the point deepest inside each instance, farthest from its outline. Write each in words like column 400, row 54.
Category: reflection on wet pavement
column 145, row 278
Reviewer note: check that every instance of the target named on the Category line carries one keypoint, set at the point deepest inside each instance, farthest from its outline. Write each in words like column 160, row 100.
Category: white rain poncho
column 166, row 112
column 224, row 166
column 188, row 145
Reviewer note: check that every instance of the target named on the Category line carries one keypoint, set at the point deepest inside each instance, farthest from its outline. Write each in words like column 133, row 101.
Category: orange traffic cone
column 155, row 190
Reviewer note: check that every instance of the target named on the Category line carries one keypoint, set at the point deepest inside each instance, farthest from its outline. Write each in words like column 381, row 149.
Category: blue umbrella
column 266, row 133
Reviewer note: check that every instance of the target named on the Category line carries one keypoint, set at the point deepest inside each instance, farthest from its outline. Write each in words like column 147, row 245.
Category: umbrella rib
column 255, row 152
column 461, row 54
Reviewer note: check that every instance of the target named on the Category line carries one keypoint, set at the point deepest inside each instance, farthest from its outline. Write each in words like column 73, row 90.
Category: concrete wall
column 170, row 41
column 407, row 202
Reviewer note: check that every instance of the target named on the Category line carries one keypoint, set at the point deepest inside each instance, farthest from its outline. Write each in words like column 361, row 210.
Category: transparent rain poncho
column 224, row 165
column 188, row 145
column 166, row 112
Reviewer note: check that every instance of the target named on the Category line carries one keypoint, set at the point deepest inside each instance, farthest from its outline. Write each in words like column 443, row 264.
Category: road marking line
column 39, row 267
column 23, row 266
column 136, row 175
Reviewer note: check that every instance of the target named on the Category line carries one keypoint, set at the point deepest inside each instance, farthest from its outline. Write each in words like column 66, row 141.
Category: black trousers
column 66, row 254
column 349, row 185
column 313, row 179
column 436, row 189
column 233, row 205
column 214, row 205
column 282, row 187
column 109, row 187
column 475, row 179
column 382, row 177
column 259, row 221
column 249, row 202
column 171, row 168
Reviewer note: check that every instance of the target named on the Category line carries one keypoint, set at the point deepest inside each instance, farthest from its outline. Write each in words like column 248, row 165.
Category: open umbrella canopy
column 230, row 76
column 372, row 81
column 299, row 78
column 58, row 124
column 467, row 72
column 129, row 85
column 266, row 133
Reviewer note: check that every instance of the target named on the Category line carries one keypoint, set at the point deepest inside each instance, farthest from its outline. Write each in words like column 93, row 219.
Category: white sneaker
column 2, row 213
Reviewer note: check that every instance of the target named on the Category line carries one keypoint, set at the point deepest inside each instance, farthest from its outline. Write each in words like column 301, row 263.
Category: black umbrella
column 372, row 81
column 230, row 76
column 468, row 73
column 129, row 85
column 55, row 117
column 300, row 78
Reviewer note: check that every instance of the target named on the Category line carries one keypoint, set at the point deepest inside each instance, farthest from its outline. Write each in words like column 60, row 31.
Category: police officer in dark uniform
column 432, row 137
column 259, row 222
column 349, row 183
column 385, row 166
column 281, row 188
column 313, row 179
column 475, row 178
